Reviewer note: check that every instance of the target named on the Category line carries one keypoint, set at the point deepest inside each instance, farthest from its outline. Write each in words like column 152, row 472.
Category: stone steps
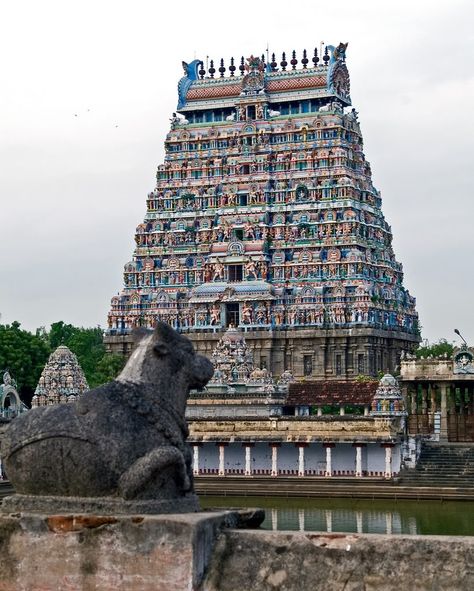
column 313, row 487
column 328, row 488
column 442, row 465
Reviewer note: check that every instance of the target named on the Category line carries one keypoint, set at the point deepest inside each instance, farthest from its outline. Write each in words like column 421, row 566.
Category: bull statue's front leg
column 148, row 467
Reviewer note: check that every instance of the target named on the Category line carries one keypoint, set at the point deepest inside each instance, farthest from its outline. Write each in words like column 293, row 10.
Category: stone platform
column 69, row 552
column 207, row 552
column 51, row 505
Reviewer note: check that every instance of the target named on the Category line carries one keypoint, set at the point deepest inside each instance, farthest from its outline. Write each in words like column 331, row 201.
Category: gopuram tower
column 264, row 217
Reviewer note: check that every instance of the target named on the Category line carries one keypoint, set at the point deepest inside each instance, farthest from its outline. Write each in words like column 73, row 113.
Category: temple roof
column 326, row 76
column 337, row 393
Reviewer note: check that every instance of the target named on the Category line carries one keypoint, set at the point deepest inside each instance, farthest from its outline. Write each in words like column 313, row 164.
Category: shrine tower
column 264, row 217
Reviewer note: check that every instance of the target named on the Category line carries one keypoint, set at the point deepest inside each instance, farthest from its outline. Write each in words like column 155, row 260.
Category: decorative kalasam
column 120, row 447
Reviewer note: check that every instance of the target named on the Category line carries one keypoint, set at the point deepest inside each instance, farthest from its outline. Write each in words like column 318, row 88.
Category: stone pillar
column 433, row 398
column 388, row 523
column 443, row 432
column 404, row 390
column 195, row 459
column 413, row 405
column 388, row 459
column 274, row 519
column 328, row 520
column 366, row 411
column 320, row 411
column 248, row 458
column 359, row 521
column 222, row 447
column 329, row 447
column 424, row 399
column 301, row 519
column 301, row 447
column 358, row 466
column 342, row 411
column 275, row 447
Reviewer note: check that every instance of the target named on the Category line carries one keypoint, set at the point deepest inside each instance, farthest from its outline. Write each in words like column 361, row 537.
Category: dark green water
column 362, row 516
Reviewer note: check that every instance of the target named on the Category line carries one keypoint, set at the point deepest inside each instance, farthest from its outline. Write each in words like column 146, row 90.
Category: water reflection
column 358, row 516
column 339, row 520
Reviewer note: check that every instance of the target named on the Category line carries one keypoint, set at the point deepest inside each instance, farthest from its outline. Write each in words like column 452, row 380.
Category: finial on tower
column 305, row 60
column 293, row 61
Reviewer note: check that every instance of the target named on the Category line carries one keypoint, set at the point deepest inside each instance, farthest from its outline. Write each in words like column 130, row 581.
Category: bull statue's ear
column 139, row 333
column 162, row 349
column 164, row 332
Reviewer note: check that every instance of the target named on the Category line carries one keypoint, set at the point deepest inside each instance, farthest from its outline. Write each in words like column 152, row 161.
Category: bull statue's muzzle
column 201, row 372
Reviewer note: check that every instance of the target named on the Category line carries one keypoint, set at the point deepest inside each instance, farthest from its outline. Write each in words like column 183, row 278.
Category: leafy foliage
column 24, row 354
column 435, row 350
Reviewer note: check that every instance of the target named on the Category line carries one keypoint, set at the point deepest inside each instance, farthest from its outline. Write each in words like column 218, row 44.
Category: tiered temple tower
column 62, row 379
column 264, row 217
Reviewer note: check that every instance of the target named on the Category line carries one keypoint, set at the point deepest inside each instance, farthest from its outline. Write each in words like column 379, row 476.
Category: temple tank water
column 359, row 516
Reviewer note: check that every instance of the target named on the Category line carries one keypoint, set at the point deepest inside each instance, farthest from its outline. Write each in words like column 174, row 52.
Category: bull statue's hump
column 120, row 448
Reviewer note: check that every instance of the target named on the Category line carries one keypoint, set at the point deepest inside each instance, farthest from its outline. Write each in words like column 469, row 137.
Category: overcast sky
column 73, row 188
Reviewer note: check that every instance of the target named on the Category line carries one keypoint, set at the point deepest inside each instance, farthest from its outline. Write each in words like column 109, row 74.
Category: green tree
column 24, row 354
column 60, row 334
column 435, row 350
column 109, row 367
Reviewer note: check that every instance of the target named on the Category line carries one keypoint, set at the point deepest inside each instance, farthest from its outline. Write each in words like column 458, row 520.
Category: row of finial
column 273, row 64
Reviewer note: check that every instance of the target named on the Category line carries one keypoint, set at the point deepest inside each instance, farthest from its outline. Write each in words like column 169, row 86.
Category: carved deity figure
column 247, row 313
column 215, row 315
column 251, row 269
column 218, row 270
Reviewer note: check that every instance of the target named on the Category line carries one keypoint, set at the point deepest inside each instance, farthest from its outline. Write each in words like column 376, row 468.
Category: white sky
column 73, row 189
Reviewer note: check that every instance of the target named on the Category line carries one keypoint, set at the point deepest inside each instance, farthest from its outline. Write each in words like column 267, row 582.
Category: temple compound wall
column 245, row 422
column 264, row 217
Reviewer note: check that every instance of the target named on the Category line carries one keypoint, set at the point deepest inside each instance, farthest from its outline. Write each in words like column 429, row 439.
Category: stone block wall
column 199, row 552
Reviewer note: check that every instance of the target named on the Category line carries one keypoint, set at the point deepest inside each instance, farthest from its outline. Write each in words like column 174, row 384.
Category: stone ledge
column 82, row 552
column 198, row 552
column 290, row 561
column 98, row 505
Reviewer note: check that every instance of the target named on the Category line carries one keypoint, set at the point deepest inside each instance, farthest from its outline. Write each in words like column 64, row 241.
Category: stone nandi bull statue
column 121, row 447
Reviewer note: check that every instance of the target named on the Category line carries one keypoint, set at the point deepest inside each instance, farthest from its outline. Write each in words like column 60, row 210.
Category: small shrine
column 238, row 388
column 10, row 403
column 388, row 399
column 62, row 379
column 232, row 359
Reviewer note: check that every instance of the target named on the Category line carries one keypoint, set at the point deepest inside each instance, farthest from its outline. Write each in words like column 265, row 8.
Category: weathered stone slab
column 85, row 552
column 197, row 552
column 188, row 503
column 339, row 562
